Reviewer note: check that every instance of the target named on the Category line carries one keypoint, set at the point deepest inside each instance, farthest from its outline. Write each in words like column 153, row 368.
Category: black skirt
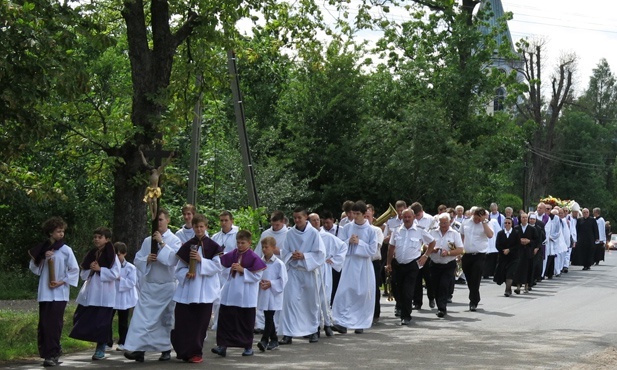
column 92, row 324
column 235, row 326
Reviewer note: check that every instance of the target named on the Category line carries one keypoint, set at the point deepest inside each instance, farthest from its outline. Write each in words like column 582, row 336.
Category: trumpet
column 391, row 212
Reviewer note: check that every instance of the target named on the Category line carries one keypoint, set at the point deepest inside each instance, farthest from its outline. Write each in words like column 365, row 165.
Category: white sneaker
column 108, row 348
column 120, row 347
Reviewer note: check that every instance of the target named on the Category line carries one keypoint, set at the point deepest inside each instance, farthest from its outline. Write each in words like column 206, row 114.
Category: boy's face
column 328, row 223
column 225, row 223
column 100, row 241
column 121, row 257
column 300, row 219
column 277, row 225
column 243, row 244
column 358, row 216
column 57, row 234
column 188, row 217
column 200, row 229
column 163, row 223
column 267, row 249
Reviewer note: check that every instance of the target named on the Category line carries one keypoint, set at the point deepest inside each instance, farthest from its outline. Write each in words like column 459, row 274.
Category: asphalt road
column 563, row 323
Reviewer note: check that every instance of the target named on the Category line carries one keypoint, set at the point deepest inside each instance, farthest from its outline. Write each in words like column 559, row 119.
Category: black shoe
column 165, row 356
column 262, row 346
column 565, row 270
column 460, row 281
column 397, row 312
column 517, row 291
column 473, row 307
column 431, row 303
column 258, row 331
column 339, row 329
column 56, row 359
column 313, row 338
column 135, row 355
column 49, row 362
column 248, row 352
column 417, row 307
column 221, row 351
column 273, row 345
column 405, row 321
column 597, row 263
column 359, row 331
column 328, row 331
column 449, row 300
column 441, row 314
column 285, row 340
column 485, row 277
column 507, row 294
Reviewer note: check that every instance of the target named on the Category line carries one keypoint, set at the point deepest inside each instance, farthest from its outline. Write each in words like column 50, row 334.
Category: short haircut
column 120, row 248
column 103, row 231
column 444, row 216
column 199, row 218
column 359, row 206
column 459, row 207
column 189, row 208
column 327, row 215
column 596, row 210
column 416, row 207
column 277, row 216
column 450, row 210
column 163, row 212
column 244, row 235
column 479, row 211
column 400, row 204
column 226, row 214
column 347, row 205
column 370, row 206
column 52, row 224
column 301, row 210
column 509, row 208
column 442, row 208
column 269, row 241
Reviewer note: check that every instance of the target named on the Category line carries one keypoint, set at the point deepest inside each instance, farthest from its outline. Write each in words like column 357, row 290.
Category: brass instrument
column 391, row 212
column 389, row 286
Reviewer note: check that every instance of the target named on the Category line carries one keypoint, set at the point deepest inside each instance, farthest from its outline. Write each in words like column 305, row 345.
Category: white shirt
column 408, row 243
column 380, row 238
column 185, row 234
column 204, row 287
column 66, row 269
column 444, row 242
column 271, row 299
column 427, row 222
column 227, row 240
column 475, row 240
column 601, row 229
column 161, row 270
column 99, row 289
column 392, row 224
column 280, row 236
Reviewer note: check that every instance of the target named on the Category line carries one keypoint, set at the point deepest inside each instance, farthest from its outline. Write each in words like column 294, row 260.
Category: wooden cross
column 153, row 191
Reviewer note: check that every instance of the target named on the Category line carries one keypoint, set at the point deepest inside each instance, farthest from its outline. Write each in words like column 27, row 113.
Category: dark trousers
column 406, row 275
column 384, row 260
column 424, row 274
column 123, row 326
column 537, row 267
column 490, row 264
column 377, row 268
column 443, row 279
column 269, row 334
column 51, row 321
column 191, row 328
column 336, row 277
column 395, row 290
column 472, row 267
column 550, row 266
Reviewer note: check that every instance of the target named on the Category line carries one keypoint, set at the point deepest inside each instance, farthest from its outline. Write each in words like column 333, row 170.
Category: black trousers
column 336, row 277
column 490, row 264
column 550, row 267
column 269, row 334
column 443, row 279
column 473, row 264
column 51, row 321
column 123, row 326
column 424, row 273
column 406, row 275
column 378, row 281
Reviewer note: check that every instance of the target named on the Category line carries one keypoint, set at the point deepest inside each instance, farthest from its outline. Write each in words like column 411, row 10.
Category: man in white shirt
column 406, row 246
column 495, row 215
column 152, row 319
column 425, row 222
column 475, row 233
column 599, row 251
column 186, row 233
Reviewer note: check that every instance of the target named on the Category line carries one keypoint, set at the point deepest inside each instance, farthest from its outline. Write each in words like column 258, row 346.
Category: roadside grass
column 19, row 334
column 18, row 284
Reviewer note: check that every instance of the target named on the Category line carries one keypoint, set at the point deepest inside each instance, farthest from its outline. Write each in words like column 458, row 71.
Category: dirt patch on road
column 606, row 359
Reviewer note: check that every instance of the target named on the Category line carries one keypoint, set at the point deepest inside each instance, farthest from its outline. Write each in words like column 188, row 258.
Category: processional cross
column 153, row 192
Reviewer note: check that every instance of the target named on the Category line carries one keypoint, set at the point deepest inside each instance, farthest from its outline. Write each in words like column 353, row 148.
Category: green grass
column 18, row 284
column 18, row 339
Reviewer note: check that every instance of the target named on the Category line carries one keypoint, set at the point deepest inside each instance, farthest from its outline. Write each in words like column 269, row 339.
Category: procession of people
column 298, row 280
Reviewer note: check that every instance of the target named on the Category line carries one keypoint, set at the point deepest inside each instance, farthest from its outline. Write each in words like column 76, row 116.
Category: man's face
column 300, row 219
column 548, row 208
column 477, row 219
column 460, row 212
column 596, row 214
column 575, row 214
column 188, row 217
column 585, row 213
column 399, row 211
column 226, row 223
column 494, row 208
column 561, row 213
column 328, row 223
column 408, row 218
column 541, row 208
column 314, row 220
column 369, row 214
column 508, row 212
column 163, row 222
column 277, row 225
column 444, row 224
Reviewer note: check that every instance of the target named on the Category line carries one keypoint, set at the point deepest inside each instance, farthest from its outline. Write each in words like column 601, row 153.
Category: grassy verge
column 18, row 339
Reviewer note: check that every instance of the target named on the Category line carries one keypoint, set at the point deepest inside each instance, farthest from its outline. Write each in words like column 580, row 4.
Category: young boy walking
column 126, row 294
column 55, row 264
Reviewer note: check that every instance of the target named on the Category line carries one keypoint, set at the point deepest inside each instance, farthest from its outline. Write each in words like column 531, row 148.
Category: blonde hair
column 269, row 241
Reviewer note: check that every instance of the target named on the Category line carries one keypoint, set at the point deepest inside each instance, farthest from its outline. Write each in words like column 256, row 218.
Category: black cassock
column 587, row 234
column 507, row 264
column 524, row 270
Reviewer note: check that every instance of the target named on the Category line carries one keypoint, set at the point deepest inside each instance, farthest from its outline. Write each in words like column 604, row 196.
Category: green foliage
column 19, row 329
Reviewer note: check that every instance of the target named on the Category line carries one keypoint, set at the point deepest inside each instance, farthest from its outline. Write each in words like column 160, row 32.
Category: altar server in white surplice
column 303, row 254
column 153, row 315
column 354, row 303
column 335, row 256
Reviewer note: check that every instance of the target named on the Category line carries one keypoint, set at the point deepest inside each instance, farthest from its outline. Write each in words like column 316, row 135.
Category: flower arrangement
column 553, row 201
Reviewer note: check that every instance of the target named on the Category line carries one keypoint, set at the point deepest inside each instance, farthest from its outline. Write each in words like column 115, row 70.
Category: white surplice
column 336, row 249
column 99, row 288
column 66, row 269
column 126, row 287
column 300, row 314
column 354, row 302
column 204, row 287
column 271, row 299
